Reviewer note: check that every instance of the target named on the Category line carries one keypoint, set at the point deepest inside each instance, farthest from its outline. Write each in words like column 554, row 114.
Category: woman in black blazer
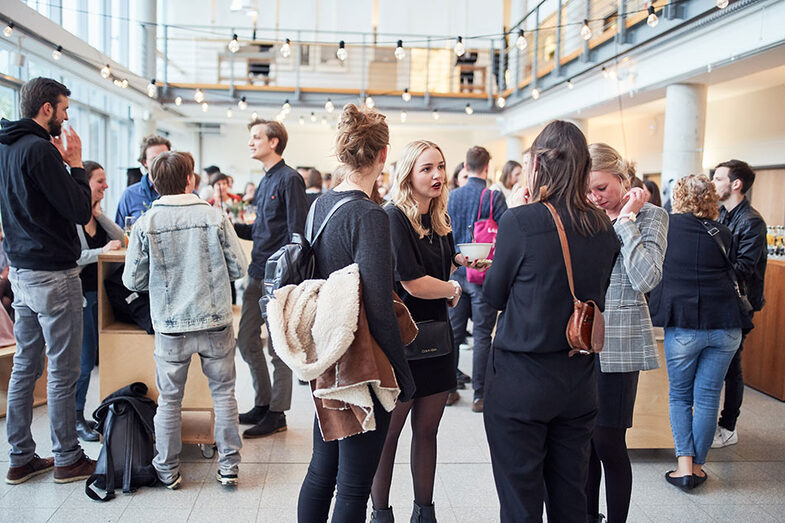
column 540, row 404
column 698, row 305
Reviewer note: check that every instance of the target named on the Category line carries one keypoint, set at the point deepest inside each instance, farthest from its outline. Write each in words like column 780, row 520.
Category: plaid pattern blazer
column 629, row 339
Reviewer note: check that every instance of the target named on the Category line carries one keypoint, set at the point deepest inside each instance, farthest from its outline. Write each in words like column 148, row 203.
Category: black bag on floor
column 125, row 419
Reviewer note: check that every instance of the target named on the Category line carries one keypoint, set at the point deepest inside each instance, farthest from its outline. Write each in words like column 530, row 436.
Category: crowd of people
column 555, row 423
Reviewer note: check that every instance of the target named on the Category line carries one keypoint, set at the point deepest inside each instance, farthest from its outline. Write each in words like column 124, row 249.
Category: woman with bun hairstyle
column 358, row 232
column 629, row 338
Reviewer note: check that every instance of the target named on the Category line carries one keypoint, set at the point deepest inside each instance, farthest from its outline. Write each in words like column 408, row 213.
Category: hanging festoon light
column 313, row 117
column 585, row 30
column 501, row 102
column 124, row 83
column 178, row 101
column 286, row 48
column 469, row 109
column 286, row 107
column 521, row 42
column 106, row 72
column 652, row 19
column 459, row 49
column 605, row 72
column 400, row 53
column 302, row 120
column 242, row 104
column 205, row 107
column 403, row 116
column 369, row 103
column 435, row 114
column 8, row 30
column 57, row 53
column 152, row 89
column 329, row 106
column 198, row 96
column 234, row 44
column 535, row 93
column 570, row 85
column 406, row 95
column 229, row 112
column 722, row 4
column 341, row 52
column 254, row 115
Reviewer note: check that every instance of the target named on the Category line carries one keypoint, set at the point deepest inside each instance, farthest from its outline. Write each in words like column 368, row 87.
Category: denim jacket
column 184, row 252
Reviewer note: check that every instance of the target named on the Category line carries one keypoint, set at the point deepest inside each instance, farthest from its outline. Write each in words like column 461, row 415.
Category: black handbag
column 744, row 303
column 433, row 336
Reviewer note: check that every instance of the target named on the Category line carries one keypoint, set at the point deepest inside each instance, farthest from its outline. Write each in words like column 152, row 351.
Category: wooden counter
column 651, row 427
column 763, row 357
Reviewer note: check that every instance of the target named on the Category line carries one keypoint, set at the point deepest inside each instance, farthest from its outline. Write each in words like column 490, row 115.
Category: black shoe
column 85, row 433
column 254, row 416
column 273, row 422
column 462, row 377
column 80, row 417
column 685, row 483
column 699, row 480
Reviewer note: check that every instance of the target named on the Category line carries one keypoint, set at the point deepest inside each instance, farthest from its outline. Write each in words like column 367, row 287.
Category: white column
column 514, row 147
column 685, row 125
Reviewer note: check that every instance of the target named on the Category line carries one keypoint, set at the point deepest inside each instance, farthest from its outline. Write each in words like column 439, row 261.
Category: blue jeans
column 697, row 362
column 484, row 319
column 172, row 358
column 89, row 347
column 48, row 306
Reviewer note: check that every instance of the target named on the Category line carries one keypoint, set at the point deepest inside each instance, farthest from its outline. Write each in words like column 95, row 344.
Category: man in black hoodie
column 40, row 201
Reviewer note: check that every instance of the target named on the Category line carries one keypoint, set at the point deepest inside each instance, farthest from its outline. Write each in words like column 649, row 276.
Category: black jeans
column 351, row 463
column 734, row 390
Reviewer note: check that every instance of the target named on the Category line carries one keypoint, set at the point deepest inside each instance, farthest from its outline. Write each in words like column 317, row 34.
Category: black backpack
column 295, row 262
column 125, row 419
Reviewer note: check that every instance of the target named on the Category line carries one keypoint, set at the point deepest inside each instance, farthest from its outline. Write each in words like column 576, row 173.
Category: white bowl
column 475, row 251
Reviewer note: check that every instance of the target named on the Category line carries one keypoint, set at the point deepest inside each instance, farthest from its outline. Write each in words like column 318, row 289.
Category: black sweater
column 359, row 232
column 39, row 200
column 528, row 280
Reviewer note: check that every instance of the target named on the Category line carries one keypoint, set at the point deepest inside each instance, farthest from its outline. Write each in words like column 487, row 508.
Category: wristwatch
column 456, row 289
column 629, row 215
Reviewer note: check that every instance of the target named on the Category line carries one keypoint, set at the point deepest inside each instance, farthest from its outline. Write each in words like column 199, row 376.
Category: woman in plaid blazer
column 629, row 346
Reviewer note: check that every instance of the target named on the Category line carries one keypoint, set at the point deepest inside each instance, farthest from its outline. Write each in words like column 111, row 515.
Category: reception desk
column 763, row 358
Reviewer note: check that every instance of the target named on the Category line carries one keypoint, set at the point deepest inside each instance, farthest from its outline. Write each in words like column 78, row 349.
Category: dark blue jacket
column 464, row 203
column 136, row 199
column 40, row 202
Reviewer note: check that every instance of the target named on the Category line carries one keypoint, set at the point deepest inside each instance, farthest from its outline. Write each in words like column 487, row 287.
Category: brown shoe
column 478, row 405
column 452, row 398
column 81, row 469
column 34, row 467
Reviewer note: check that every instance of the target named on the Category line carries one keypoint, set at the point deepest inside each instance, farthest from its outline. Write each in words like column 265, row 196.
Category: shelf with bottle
column 775, row 241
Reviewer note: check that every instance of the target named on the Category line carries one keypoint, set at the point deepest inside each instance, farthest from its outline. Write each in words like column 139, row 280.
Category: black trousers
column 734, row 390
column 539, row 417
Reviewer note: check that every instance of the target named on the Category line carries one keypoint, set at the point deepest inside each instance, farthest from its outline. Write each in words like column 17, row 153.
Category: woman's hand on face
column 635, row 198
column 97, row 209
column 113, row 245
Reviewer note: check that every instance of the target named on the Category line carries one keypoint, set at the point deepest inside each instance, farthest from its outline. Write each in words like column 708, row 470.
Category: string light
column 124, row 83
column 570, row 85
column 254, row 115
column 369, row 103
column 585, row 30
column 435, row 114
column 234, row 45
column 152, row 89
column 722, row 4
column 459, row 49
column 9, row 29
column 329, row 106
column 406, row 95
column 313, row 117
column 242, row 104
column 106, row 72
column 286, row 48
column 521, row 42
column 535, row 93
column 286, row 107
column 198, row 96
column 229, row 112
column 178, row 101
column 341, row 52
column 403, row 116
column 652, row 19
column 605, row 73
column 400, row 54
column 469, row 109
column 302, row 120
column 57, row 53
column 324, row 120
column 205, row 107
column 501, row 102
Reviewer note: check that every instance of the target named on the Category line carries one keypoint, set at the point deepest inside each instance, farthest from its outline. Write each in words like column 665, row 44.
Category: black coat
column 749, row 251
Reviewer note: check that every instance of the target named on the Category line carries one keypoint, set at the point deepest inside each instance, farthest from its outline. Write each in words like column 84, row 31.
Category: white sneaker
column 724, row 438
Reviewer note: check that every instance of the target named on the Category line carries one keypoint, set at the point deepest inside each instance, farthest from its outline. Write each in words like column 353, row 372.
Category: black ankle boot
column 83, row 430
column 384, row 515
column 426, row 514
column 90, row 423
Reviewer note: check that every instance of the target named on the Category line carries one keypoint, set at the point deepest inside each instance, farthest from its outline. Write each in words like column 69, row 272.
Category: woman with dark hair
column 99, row 235
column 540, row 404
column 654, row 192
column 511, row 174
column 459, row 177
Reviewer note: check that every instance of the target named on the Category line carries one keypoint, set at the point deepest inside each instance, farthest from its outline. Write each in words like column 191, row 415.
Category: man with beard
column 40, row 203
column 733, row 179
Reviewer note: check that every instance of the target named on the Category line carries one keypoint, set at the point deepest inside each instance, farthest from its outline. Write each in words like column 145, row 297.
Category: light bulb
column 117, row 83
column 313, row 117
column 57, row 53
column 234, row 45
column 302, row 120
column 124, row 83
column 612, row 74
column 254, row 115
column 501, row 102
column 229, row 112
column 329, row 106
column 242, row 104
column 286, row 48
column 8, row 30
column 570, row 85
column 605, row 73
column 400, row 54
column 324, row 120
column 152, row 89
column 406, row 96
column 341, row 52
column 280, row 117
column 205, row 107
column 286, row 107
column 521, row 42
column 435, row 114
column 535, row 93
column 652, row 19
column 722, row 4
column 469, row 109
column 403, row 116
column 585, row 30
column 369, row 103
column 460, row 50
column 178, row 101
column 198, row 96
column 106, row 72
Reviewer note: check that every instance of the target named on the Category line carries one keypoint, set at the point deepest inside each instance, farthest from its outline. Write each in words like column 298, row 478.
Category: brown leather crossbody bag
column 586, row 328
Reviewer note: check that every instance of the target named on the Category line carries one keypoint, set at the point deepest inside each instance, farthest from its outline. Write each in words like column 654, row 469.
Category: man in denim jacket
column 184, row 253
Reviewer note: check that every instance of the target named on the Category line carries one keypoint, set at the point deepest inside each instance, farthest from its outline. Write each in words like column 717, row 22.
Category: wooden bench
column 6, row 365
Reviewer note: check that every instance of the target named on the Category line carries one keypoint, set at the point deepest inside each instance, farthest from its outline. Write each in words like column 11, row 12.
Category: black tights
column 609, row 447
column 426, row 415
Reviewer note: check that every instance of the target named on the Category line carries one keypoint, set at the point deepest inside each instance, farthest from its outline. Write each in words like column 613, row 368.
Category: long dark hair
column 561, row 162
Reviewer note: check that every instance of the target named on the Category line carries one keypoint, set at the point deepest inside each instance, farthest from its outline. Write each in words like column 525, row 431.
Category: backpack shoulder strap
column 335, row 207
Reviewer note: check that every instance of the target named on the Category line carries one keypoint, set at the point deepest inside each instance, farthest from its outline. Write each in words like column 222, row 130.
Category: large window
column 8, row 103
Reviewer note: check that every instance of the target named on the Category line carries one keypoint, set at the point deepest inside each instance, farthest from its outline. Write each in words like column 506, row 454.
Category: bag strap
column 714, row 232
column 309, row 222
column 479, row 209
column 441, row 250
column 565, row 247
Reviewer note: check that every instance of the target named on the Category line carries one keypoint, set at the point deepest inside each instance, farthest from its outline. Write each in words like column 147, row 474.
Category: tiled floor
column 747, row 481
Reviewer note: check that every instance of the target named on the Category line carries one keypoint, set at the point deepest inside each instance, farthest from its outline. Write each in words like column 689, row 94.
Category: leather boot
column 84, row 431
column 426, row 514
column 384, row 515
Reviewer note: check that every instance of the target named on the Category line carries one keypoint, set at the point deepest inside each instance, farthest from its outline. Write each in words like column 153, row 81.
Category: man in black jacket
column 733, row 180
column 40, row 201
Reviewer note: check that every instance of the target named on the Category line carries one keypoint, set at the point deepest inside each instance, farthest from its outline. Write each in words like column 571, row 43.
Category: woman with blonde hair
column 629, row 338
column 699, row 306
column 424, row 256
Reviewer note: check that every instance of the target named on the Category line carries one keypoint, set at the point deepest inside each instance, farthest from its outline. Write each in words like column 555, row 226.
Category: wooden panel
column 768, row 194
column 763, row 359
column 6, row 366
column 651, row 428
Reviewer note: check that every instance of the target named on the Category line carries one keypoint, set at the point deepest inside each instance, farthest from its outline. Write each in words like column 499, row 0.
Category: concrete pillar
column 685, row 125
column 514, row 147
